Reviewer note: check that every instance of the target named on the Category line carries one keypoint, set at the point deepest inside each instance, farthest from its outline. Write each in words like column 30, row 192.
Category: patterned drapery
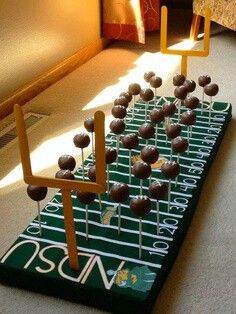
column 129, row 19
column 222, row 11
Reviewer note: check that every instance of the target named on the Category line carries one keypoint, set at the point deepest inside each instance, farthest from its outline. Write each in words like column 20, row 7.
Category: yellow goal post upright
column 66, row 186
column 185, row 53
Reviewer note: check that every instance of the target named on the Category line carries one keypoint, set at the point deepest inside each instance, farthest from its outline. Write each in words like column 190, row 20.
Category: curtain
column 129, row 19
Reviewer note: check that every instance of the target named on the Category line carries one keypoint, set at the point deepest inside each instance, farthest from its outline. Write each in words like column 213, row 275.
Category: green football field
column 111, row 275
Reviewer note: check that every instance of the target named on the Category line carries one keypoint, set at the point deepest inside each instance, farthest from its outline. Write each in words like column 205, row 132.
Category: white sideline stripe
column 184, row 131
column 167, row 155
column 100, row 238
column 215, row 121
column 77, row 176
column 192, row 138
column 176, row 119
column 155, row 103
column 139, row 102
column 111, row 140
column 198, row 121
column 122, row 216
column 158, row 170
column 82, row 249
column 123, row 205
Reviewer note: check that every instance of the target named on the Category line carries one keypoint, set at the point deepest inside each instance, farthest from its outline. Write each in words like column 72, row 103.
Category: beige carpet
column 203, row 276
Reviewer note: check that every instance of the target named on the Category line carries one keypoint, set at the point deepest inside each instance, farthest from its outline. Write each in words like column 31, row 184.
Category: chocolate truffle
column 190, row 85
column 180, row 92
column 169, row 109
column 134, row 89
column 81, row 140
column 89, row 124
column 156, row 115
column 178, row 79
column 141, row 170
column 64, row 174
column 127, row 95
column 211, row 89
column 170, row 169
column 155, row 81
column 110, row 155
column 85, row 197
column 140, row 205
column 149, row 154
column 158, row 190
column 173, row 130
column 117, row 126
column 146, row 94
column 148, row 75
column 37, row 193
column 92, row 173
column 130, row 141
column 66, row 162
column 204, row 80
column 191, row 102
column 146, row 131
column 179, row 144
column 188, row 117
column 119, row 112
column 121, row 101
column 119, row 192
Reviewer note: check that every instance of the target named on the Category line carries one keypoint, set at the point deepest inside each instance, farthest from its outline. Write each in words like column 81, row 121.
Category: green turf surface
column 111, row 275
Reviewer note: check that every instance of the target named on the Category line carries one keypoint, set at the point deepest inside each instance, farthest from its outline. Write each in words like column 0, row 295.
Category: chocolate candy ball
column 211, row 89
column 178, row 79
column 190, row 85
column 127, row 95
column 191, row 102
column 158, row 190
column 169, row 109
column 130, row 141
column 170, row 169
column 121, row 101
column 146, row 94
column 64, row 174
column 188, row 117
column 134, row 89
column 92, row 173
column 173, row 130
column 117, row 126
column 110, row 155
column 119, row 192
column 89, row 124
column 66, row 162
column 141, row 170
column 180, row 92
column 155, row 81
column 148, row 75
column 204, row 80
column 140, row 206
column 156, row 115
column 179, row 144
column 85, row 197
column 119, row 112
column 37, row 193
column 149, row 154
column 81, row 140
column 146, row 131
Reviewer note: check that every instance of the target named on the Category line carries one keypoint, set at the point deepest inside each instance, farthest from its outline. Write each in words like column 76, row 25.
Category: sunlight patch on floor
column 163, row 65
column 47, row 154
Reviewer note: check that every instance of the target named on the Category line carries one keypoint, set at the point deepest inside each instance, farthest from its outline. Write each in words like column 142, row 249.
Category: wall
column 35, row 35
